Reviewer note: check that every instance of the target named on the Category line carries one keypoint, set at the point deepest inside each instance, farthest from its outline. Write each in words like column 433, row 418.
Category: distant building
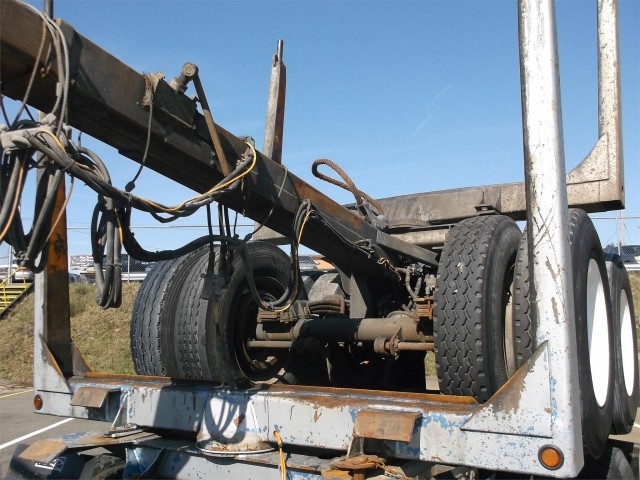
column 314, row 262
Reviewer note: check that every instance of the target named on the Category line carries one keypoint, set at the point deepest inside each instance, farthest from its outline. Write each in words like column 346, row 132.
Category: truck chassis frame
column 536, row 411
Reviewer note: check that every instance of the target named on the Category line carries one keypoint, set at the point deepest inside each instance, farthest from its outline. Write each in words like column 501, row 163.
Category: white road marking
column 28, row 435
column 16, row 393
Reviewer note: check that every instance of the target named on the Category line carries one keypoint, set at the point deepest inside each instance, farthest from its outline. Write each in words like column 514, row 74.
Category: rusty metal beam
column 53, row 320
column 274, row 126
column 109, row 101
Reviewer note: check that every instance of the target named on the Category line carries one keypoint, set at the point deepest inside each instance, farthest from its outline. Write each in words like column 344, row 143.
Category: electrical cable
column 4, row 110
column 111, row 219
column 347, row 183
column 23, row 104
column 132, row 184
column 283, row 463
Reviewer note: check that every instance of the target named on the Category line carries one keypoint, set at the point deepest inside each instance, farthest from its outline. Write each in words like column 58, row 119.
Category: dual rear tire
column 178, row 331
column 474, row 351
column 594, row 332
column 625, row 348
column 477, row 342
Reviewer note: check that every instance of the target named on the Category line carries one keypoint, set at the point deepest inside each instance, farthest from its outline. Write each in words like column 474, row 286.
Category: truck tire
column 594, row 332
column 612, row 465
column 524, row 325
column 625, row 389
column 231, row 320
column 472, row 298
column 592, row 308
column 152, row 321
column 190, row 313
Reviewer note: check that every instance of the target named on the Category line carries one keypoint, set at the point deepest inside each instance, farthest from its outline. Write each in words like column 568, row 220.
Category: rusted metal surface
column 414, row 218
column 359, row 466
column 385, row 425
column 56, row 325
column 318, row 417
column 511, row 410
column 109, row 107
column 609, row 94
column 548, row 250
column 454, row 428
column 335, row 474
column 274, row 125
column 91, row 397
column 225, row 168
column 45, row 451
column 339, row 328
column 519, row 420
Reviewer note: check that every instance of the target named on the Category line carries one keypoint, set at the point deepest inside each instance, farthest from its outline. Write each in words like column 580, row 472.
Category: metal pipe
column 211, row 126
column 400, row 346
column 337, row 328
column 415, row 346
column 269, row 344
column 547, row 218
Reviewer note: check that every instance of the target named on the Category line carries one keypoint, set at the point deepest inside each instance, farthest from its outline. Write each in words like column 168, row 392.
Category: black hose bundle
column 110, row 225
column 28, row 246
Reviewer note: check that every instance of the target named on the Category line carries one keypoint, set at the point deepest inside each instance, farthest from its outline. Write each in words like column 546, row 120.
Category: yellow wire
column 44, row 130
column 253, row 163
column 295, row 271
column 213, row 190
column 119, row 225
column 306, row 217
column 180, row 206
column 283, row 465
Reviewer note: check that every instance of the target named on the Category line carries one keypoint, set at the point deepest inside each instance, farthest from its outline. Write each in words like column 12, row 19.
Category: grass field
column 103, row 335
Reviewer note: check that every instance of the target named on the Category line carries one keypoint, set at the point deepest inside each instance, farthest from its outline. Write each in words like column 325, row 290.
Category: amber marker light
column 37, row 402
column 551, row 457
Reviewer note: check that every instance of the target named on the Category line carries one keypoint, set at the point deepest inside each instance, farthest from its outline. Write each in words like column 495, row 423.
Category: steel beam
column 596, row 184
column 274, row 125
column 109, row 101
column 547, row 219
column 444, row 429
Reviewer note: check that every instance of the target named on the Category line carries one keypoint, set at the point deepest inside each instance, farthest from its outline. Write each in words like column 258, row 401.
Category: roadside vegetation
column 634, row 277
column 103, row 335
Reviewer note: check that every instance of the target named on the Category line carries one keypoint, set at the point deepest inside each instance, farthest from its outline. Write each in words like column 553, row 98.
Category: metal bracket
column 120, row 427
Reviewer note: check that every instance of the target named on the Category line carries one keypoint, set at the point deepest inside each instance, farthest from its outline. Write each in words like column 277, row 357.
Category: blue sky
column 406, row 96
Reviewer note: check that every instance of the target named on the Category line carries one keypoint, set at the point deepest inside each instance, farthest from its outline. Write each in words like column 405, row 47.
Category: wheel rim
column 510, row 356
column 626, row 340
column 598, row 333
column 260, row 365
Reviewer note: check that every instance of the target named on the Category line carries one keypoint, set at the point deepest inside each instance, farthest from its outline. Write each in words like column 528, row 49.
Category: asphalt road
column 20, row 425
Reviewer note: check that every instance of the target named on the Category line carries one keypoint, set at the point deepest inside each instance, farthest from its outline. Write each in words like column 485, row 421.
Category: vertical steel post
column 274, row 126
column 609, row 98
column 547, row 216
column 52, row 326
